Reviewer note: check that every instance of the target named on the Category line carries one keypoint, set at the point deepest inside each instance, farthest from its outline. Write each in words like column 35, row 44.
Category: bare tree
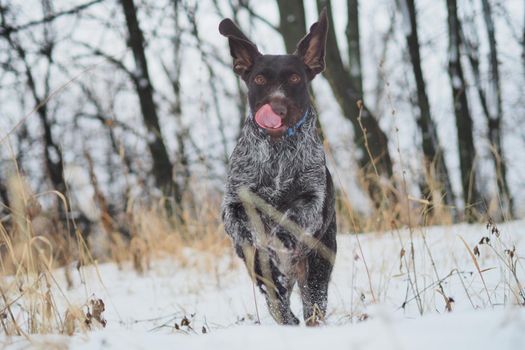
column 49, row 17
column 435, row 166
column 354, row 46
column 380, row 89
column 490, row 99
column 162, row 166
column 373, row 149
column 241, row 96
column 292, row 25
column 108, row 123
column 183, row 174
column 495, row 117
column 52, row 152
column 464, row 124
column 191, row 13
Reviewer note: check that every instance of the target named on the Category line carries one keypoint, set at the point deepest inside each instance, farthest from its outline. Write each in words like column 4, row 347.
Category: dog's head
column 277, row 84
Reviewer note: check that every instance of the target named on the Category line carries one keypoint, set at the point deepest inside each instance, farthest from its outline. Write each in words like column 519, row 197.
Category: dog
column 279, row 202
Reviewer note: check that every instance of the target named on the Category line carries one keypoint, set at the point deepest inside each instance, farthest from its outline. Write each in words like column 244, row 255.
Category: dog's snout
column 279, row 108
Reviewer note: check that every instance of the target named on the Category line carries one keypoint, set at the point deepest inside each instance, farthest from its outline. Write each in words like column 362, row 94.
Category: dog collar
column 294, row 128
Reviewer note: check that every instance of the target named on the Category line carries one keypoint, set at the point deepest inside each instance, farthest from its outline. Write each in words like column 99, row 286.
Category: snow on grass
column 207, row 301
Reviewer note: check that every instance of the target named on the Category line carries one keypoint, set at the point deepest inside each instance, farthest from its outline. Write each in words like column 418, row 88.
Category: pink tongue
column 266, row 118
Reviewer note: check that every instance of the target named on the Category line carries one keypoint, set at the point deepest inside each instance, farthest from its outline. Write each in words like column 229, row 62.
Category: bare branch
column 48, row 18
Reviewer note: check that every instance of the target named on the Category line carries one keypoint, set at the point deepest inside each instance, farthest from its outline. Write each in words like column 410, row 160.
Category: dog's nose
column 279, row 109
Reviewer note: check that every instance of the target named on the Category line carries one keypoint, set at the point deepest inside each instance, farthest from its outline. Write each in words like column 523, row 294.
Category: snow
column 214, row 294
column 502, row 331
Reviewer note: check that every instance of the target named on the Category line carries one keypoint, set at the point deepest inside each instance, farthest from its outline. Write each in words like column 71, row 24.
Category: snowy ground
column 148, row 311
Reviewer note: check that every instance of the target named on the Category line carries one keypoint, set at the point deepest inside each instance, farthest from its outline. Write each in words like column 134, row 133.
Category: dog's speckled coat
column 289, row 173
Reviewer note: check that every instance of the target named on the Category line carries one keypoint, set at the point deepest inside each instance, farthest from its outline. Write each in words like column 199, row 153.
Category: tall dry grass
column 37, row 244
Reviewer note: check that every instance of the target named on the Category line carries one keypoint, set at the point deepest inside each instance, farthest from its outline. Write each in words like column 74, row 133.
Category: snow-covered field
column 205, row 301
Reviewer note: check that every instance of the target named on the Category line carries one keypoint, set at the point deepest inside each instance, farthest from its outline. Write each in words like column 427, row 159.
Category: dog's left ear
column 311, row 48
column 243, row 51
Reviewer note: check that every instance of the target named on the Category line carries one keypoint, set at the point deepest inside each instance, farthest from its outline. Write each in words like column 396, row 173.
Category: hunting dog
column 279, row 203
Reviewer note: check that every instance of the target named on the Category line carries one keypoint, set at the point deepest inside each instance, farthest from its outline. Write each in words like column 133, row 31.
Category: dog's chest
column 279, row 170
column 269, row 172
column 277, row 177
column 276, row 173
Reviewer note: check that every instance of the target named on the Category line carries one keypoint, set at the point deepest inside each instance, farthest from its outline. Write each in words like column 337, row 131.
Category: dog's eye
column 294, row 79
column 260, row 80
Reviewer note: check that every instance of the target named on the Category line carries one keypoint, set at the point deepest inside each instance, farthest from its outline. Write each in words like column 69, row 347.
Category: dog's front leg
column 301, row 223
column 237, row 226
column 313, row 250
column 275, row 285
column 263, row 269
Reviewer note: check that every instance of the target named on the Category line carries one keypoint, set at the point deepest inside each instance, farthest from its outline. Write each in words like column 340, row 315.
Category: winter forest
column 140, row 98
column 118, row 118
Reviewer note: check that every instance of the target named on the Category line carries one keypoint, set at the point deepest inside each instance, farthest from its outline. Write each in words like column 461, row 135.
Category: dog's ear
column 243, row 51
column 311, row 48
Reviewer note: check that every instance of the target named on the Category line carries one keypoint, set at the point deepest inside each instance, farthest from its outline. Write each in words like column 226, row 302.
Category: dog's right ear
column 243, row 51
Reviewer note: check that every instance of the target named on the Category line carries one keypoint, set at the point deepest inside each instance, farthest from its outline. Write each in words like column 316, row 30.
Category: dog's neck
column 305, row 125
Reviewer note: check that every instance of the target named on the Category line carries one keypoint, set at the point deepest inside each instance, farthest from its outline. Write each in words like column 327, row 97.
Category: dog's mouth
column 268, row 120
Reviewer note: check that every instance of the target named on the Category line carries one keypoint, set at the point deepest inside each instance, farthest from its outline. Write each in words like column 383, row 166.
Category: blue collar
column 293, row 129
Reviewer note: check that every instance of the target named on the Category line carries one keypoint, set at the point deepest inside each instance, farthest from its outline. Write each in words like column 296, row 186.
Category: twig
column 475, row 261
column 49, row 18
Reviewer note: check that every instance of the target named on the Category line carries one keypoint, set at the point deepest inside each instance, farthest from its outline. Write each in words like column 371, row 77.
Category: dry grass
column 35, row 242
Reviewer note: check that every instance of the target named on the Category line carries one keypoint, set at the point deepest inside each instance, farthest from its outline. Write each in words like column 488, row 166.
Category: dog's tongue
column 266, row 118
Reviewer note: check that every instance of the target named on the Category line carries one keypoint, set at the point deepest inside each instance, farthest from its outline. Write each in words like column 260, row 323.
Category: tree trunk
column 354, row 47
column 523, row 40
column 435, row 166
column 292, row 24
column 183, row 174
column 495, row 118
column 372, row 151
column 52, row 153
column 4, row 198
column 162, row 166
column 242, row 97
column 467, row 152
